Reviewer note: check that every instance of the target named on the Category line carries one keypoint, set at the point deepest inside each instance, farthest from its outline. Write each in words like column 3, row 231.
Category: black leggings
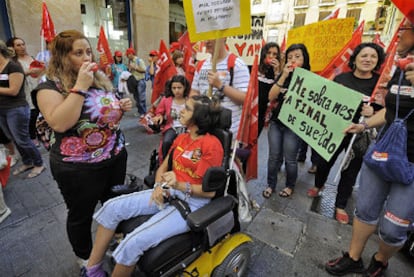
column 82, row 187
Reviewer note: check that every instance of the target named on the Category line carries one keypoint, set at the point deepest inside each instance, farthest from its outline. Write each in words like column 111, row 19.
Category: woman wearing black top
column 269, row 70
column 364, row 62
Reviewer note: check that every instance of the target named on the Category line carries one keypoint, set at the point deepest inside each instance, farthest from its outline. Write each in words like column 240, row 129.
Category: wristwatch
column 221, row 89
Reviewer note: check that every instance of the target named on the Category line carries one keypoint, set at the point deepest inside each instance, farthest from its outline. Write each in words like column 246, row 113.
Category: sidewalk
column 289, row 238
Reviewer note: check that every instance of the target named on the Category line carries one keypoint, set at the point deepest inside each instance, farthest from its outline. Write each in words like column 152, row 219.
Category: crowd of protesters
column 69, row 82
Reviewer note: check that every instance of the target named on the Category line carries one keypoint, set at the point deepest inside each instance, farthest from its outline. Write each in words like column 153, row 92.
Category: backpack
column 388, row 157
column 231, row 62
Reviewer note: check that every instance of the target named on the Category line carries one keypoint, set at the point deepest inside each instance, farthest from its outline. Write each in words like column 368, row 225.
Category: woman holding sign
column 364, row 62
column 283, row 142
column 384, row 206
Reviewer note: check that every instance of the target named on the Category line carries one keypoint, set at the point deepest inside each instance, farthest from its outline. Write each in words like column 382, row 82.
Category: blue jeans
column 140, row 97
column 15, row 124
column 390, row 205
column 283, row 143
column 164, row 223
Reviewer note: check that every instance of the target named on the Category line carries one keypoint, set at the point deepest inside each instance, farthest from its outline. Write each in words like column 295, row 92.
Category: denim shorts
column 390, row 205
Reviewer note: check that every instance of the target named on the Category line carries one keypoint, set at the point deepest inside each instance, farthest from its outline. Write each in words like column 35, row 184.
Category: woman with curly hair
column 87, row 155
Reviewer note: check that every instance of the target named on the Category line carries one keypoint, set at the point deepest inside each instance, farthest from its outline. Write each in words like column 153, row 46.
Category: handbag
column 388, row 156
column 43, row 132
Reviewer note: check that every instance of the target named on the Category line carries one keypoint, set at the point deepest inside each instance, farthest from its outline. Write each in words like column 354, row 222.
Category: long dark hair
column 264, row 68
column 358, row 49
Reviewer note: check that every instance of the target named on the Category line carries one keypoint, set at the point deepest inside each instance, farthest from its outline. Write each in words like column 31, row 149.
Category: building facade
column 281, row 15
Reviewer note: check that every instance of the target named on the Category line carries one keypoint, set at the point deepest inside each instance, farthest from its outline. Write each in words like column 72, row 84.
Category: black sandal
column 286, row 192
column 267, row 193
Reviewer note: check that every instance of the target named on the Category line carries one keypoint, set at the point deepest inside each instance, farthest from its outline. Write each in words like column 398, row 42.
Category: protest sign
column 212, row 19
column 318, row 110
column 247, row 46
column 323, row 39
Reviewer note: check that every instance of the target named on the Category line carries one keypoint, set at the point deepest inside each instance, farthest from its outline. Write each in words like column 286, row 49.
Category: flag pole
column 213, row 65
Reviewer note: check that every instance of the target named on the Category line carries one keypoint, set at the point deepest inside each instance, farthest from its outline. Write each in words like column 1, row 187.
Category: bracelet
column 79, row 92
column 188, row 190
column 157, row 184
column 277, row 84
column 364, row 123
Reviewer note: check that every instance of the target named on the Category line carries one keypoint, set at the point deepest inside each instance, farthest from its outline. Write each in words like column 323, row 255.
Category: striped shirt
column 241, row 78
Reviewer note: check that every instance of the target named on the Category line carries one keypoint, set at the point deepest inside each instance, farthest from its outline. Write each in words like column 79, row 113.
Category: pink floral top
column 96, row 136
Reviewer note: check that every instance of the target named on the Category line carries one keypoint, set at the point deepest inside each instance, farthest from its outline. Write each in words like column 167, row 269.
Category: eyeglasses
column 404, row 28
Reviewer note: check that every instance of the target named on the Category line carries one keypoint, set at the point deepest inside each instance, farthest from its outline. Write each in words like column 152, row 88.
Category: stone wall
column 26, row 18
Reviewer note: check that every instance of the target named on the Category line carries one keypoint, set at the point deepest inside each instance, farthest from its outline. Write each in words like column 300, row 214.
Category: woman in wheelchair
column 194, row 152
column 168, row 111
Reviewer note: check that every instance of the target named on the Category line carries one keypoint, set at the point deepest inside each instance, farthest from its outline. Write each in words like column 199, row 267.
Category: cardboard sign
column 212, row 19
column 323, row 39
column 318, row 110
column 247, row 46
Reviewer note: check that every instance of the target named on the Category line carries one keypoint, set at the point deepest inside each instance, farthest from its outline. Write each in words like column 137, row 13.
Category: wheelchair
column 214, row 246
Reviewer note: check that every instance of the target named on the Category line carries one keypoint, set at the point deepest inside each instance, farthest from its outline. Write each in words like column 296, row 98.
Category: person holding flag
column 384, row 206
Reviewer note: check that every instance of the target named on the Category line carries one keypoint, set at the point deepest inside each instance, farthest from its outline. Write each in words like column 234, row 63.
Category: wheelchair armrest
column 209, row 213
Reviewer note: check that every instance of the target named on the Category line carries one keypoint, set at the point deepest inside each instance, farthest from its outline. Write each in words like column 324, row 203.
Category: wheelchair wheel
column 235, row 264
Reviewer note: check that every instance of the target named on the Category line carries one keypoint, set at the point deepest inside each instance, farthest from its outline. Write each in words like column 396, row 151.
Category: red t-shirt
column 192, row 158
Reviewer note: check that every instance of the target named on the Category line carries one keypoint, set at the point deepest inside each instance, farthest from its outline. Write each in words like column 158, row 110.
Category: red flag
column 48, row 28
column 248, row 127
column 189, row 65
column 105, row 56
column 377, row 40
column 283, row 45
column 165, row 71
column 380, row 90
column 332, row 15
column 406, row 7
column 339, row 63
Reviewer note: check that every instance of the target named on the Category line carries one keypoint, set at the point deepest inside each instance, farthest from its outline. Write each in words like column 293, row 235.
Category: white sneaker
column 14, row 160
column 4, row 215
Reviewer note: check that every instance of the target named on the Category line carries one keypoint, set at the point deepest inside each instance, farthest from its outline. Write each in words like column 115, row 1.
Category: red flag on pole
column 48, row 28
column 339, row 63
column 283, row 45
column 248, row 127
column 105, row 56
column 377, row 40
column 165, row 71
column 332, row 15
column 189, row 65
column 406, row 7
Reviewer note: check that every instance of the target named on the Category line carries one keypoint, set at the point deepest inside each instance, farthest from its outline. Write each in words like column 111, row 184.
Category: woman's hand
column 125, row 104
column 354, row 128
column 158, row 119
column 276, row 66
column 409, row 73
column 157, row 196
column 85, row 76
column 367, row 110
column 170, row 178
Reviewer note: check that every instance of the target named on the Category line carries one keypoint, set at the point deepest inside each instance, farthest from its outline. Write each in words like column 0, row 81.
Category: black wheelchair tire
column 235, row 264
